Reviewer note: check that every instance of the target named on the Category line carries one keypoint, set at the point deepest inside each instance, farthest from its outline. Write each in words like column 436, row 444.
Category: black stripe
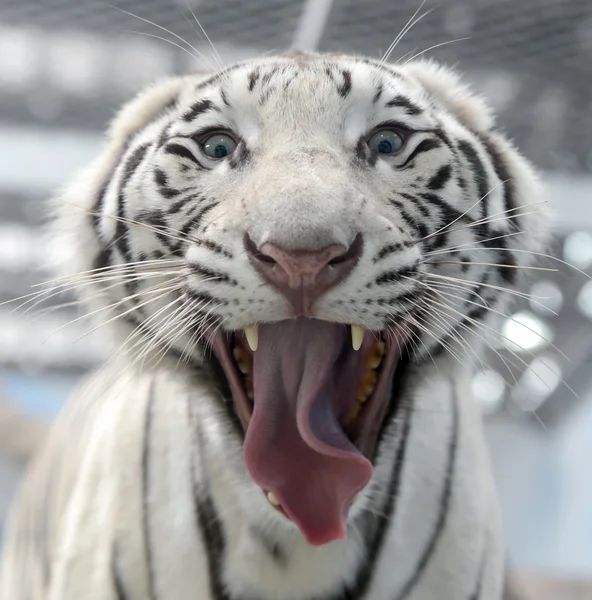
column 205, row 298
column 504, row 175
column 218, row 76
column 508, row 273
column 207, row 520
column 445, row 497
column 195, row 222
column 403, row 102
column 182, row 152
column 448, row 215
column 216, row 248
column 211, row 275
column 162, row 181
column 416, row 202
column 119, row 588
column 480, row 576
column 102, row 258
column 224, row 97
column 156, row 219
column 441, row 178
column 396, row 275
column 180, row 203
column 378, row 93
column 388, row 250
column 253, row 77
column 345, row 88
column 267, row 77
column 97, row 208
column 121, row 227
column 160, row 177
column 478, row 169
column 414, row 223
column 425, row 146
column 146, row 492
column 215, row 543
column 200, row 107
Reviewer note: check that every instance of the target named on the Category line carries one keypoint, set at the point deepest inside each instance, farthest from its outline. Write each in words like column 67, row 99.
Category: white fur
column 301, row 190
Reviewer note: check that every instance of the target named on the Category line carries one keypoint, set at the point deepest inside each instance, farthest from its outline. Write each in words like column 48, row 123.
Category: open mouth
column 311, row 397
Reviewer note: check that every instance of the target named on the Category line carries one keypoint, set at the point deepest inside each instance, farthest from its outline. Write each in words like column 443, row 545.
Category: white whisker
column 407, row 27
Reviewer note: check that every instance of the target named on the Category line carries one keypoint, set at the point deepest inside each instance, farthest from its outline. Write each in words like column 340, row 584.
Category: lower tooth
column 273, row 499
column 373, row 361
column 244, row 368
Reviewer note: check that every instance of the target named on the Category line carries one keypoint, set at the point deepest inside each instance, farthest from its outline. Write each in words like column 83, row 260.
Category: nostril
column 256, row 254
column 338, row 260
column 352, row 253
column 264, row 258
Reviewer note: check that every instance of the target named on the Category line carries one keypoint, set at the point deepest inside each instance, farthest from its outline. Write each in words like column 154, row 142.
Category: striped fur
column 141, row 491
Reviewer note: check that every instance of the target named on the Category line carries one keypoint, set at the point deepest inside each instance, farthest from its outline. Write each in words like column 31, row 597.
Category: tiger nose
column 302, row 276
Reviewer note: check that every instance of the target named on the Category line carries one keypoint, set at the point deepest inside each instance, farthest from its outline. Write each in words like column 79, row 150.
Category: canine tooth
column 273, row 499
column 357, row 335
column 252, row 335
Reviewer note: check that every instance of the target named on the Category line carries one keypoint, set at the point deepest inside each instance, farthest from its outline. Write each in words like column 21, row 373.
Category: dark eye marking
column 402, row 102
column 199, row 108
column 182, row 152
column 345, row 88
column 424, row 146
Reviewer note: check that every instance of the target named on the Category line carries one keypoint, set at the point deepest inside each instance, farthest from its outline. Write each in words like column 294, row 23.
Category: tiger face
column 321, row 222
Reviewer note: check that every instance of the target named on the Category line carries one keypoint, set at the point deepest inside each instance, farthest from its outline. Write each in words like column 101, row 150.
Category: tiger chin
column 301, row 260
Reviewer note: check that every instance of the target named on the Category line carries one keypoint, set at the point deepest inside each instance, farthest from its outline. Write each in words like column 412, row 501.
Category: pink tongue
column 295, row 446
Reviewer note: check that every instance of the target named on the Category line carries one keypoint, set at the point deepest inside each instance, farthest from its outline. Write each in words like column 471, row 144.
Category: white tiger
column 305, row 256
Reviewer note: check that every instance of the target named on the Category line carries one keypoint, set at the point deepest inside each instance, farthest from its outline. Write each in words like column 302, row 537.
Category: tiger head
column 322, row 222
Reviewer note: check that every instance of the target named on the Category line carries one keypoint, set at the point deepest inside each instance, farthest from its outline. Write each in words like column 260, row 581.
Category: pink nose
column 302, row 276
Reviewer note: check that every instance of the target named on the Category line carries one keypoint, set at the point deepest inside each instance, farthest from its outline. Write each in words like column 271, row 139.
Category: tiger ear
column 447, row 89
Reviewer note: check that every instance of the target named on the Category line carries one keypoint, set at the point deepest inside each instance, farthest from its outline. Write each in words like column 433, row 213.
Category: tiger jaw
column 311, row 398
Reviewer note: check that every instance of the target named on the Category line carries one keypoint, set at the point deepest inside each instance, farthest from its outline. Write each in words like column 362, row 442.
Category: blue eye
column 386, row 141
column 219, row 145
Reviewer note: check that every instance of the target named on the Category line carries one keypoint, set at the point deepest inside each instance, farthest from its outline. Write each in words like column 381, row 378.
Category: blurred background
column 66, row 65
